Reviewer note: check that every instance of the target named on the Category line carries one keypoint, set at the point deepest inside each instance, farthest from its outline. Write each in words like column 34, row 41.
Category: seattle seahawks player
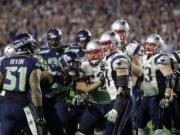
column 71, row 106
column 117, row 71
column 52, row 56
column 99, row 98
column 82, row 37
column 157, row 84
column 19, row 77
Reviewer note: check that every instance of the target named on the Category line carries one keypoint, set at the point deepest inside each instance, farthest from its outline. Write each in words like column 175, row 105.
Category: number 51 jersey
column 16, row 72
column 153, row 83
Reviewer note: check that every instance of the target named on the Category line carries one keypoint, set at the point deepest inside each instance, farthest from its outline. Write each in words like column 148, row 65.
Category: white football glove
column 164, row 103
column 112, row 115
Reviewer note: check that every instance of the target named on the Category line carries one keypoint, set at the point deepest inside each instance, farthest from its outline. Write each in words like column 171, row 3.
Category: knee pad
column 159, row 132
column 98, row 132
column 175, row 131
column 79, row 133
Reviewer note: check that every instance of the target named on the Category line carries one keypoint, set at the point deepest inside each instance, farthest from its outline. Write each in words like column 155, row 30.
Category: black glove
column 39, row 116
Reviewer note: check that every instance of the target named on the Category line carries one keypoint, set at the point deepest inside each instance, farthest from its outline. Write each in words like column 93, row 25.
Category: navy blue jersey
column 52, row 57
column 16, row 72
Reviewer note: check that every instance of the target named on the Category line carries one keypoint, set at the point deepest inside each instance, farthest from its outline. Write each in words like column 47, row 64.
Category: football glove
column 77, row 100
column 164, row 102
column 112, row 115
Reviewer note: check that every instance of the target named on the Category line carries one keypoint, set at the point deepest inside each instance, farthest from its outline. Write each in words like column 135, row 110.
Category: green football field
column 151, row 131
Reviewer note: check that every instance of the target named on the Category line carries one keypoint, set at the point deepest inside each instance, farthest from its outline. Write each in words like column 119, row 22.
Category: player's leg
column 155, row 115
column 88, row 120
column 124, row 124
column 143, row 116
column 176, row 115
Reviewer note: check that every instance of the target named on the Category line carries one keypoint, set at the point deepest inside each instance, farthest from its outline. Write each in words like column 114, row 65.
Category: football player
column 175, row 58
column 157, row 84
column 135, row 51
column 117, row 71
column 99, row 98
column 82, row 37
column 52, row 55
column 133, row 48
column 71, row 106
column 19, row 77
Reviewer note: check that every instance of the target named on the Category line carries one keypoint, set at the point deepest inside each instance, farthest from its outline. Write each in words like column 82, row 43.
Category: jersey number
column 13, row 79
column 148, row 75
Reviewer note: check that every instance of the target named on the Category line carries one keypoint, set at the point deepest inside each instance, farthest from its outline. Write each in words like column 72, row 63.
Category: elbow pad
column 122, row 81
column 169, row 81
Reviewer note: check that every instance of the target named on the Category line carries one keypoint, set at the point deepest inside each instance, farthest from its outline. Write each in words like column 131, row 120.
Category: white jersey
column 110, row 64
column 152, row 75
column 100, row 95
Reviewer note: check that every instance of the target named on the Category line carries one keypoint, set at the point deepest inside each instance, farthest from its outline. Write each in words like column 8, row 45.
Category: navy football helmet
column 83, row 37
column 54, row 36
column 24, row 43
column 70, row 63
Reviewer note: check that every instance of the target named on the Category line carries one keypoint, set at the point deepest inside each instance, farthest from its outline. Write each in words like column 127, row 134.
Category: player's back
column 16, row 72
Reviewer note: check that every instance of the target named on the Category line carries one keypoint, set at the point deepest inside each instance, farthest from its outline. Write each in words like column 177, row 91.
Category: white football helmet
column 110, row 42
column 9, row 51
column 94, row 52
column 154, row 44
column 122, row 28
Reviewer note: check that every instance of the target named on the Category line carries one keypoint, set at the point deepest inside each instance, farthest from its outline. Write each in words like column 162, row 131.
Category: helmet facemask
column 121, row 27
column 94, row 56
column 154, row 44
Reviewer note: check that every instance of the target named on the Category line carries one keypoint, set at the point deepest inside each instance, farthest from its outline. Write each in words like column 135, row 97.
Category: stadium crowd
column 37, row 16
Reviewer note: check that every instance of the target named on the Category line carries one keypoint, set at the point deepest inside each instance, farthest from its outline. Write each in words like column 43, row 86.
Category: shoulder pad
column 133, row 48
column 72, row 48
column 120, row 62
column 175, row 57
column 43, row 51
column 162, row 59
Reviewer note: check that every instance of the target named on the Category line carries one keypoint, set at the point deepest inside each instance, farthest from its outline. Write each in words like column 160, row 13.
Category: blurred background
column 37, row 16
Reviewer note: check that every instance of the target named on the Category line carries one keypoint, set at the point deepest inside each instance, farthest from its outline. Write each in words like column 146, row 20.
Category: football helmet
column 70, row 63
column 109, row 41
column 122, row 28
column 82, row 37
column 54, row 36
column 9, row 51
column 24, row 43
column 154, row 44
column 94, row 52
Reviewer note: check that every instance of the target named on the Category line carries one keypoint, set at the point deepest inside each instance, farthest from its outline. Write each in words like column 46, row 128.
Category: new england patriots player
column 157, row 84
column 175, row 58
column 135, row 51
column 117, row 71
column 99, row 98
column 20, row 79
column 50, row 86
